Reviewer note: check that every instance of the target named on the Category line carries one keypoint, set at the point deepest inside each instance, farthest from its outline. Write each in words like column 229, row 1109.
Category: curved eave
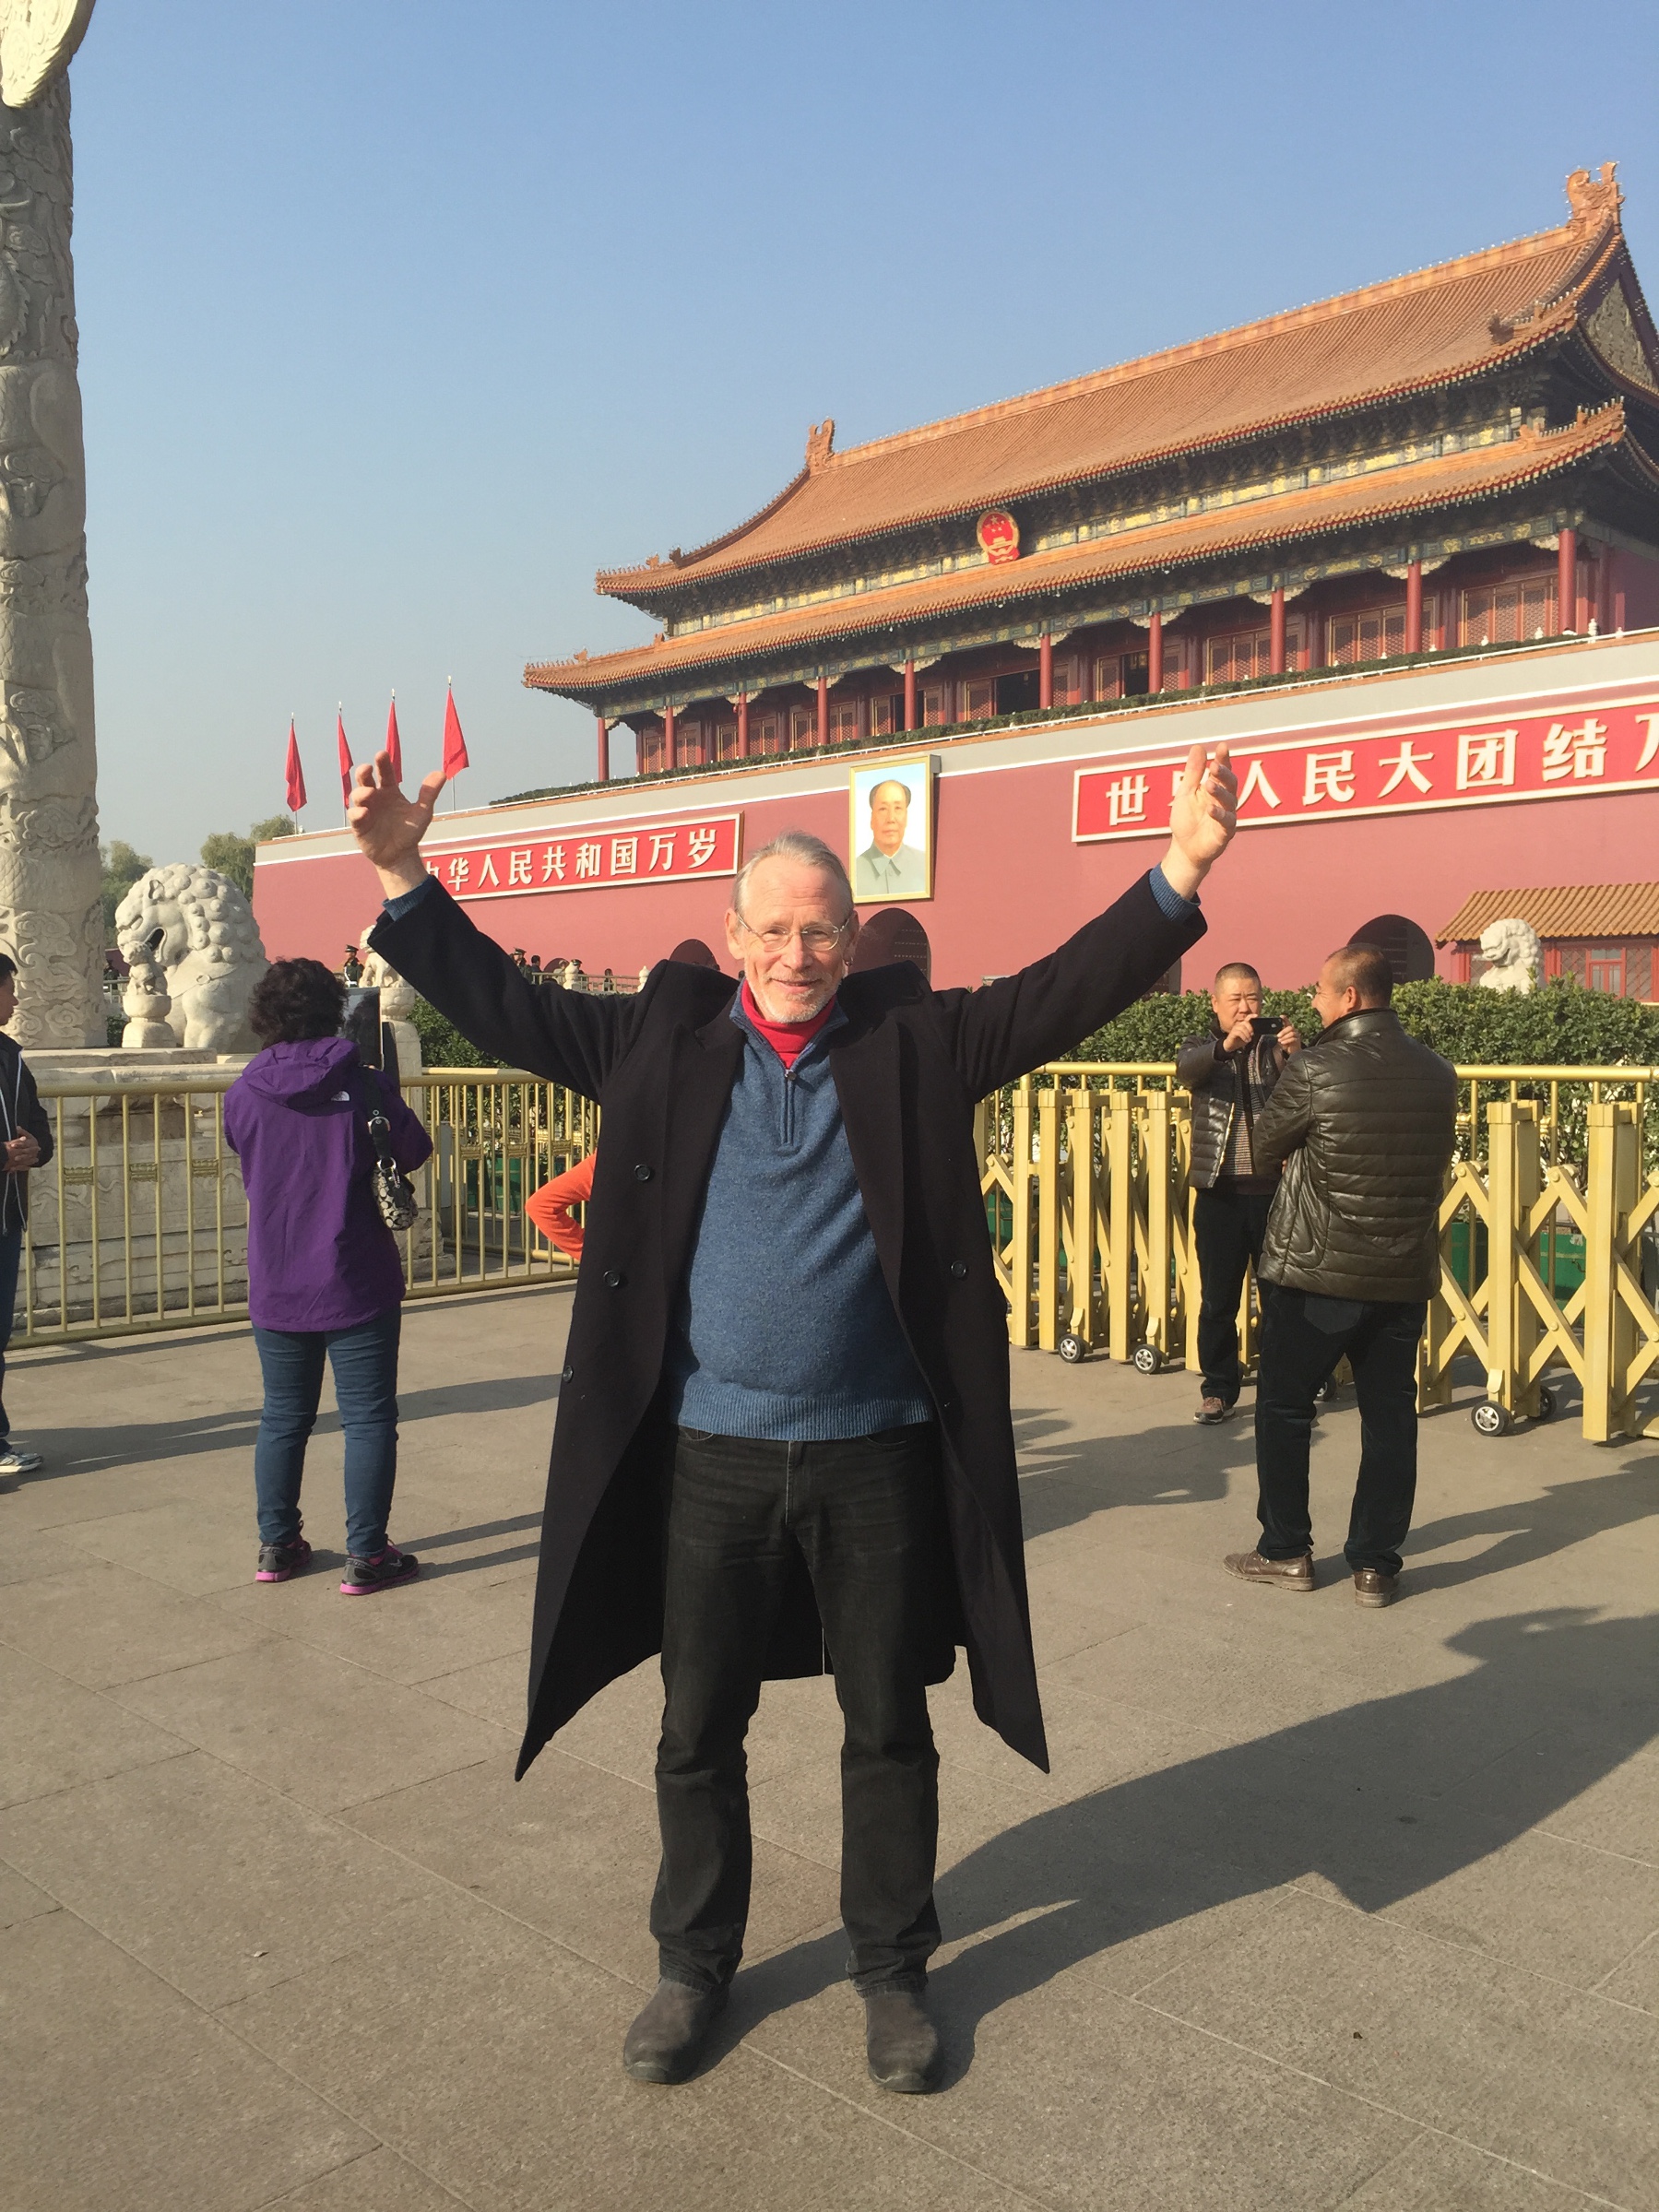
column 1070, row 568
column 664, row 585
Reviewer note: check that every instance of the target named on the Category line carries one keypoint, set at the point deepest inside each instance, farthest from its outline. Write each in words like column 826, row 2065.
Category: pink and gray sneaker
column 279, row 1561
column 384, row 1571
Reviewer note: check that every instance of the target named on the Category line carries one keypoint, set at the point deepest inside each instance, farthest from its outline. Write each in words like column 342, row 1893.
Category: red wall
column 1010, row 884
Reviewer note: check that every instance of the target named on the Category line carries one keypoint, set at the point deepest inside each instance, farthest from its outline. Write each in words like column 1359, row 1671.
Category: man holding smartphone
column 1230, row 1071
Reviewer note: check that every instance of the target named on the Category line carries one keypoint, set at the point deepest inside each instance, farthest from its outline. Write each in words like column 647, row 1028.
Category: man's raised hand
column 387, row 827
column 1202, row 820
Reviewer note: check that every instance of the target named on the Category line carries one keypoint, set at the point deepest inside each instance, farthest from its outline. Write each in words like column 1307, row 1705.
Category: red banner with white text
column 600, row 857
column 1567, row 754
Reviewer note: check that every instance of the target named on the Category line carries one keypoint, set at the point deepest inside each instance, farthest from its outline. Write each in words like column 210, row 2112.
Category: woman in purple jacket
column 324, row 1272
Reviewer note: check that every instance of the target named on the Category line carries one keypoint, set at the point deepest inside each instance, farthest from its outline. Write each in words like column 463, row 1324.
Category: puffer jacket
column 22, row 1115
column 1364, row 1120
column 1221, row 1089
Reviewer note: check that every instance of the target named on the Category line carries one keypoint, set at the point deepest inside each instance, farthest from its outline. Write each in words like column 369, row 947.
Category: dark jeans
column 1302, row 1339
column 865, row 1517
column 1227, row 1226
column 364, row 1360
column 11, row 1257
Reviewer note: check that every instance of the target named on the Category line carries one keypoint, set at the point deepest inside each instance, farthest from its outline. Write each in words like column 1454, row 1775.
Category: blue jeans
column 364, row 1360
column 11, row 1255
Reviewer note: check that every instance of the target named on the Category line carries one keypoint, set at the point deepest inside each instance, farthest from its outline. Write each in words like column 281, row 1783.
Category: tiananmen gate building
column 1400, row 549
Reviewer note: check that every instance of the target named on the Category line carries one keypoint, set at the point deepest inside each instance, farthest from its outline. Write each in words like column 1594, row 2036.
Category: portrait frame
column 914, row 774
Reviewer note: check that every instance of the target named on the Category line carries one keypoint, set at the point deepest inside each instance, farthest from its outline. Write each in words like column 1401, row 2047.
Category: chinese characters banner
column 1561, row 755
column 592, row 859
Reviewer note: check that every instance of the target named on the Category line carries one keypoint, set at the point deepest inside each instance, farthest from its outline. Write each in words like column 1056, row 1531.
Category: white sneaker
column 14, row 1460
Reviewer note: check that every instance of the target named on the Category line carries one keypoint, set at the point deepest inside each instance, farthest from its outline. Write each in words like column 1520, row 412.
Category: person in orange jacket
column 549, row 1208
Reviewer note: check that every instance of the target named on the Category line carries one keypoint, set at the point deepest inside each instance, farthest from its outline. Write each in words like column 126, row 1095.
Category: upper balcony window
column 1369, row 633
column 689, row 745
column 1247, row 653
column 977, row 701
column 765, row 733
column 1068, row 680
column 725, row 742
column 844, row 721
column 935, row 705
column 650, row 749
column 887, row 714
column 1504, row 614
column 803, row 728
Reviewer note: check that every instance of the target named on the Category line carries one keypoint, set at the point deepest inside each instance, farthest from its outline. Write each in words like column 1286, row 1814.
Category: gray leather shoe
column 1272, row 1574
column 900, row 2041
column 666, row 2042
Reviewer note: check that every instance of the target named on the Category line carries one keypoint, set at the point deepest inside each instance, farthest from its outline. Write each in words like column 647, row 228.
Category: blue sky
column 398, row 318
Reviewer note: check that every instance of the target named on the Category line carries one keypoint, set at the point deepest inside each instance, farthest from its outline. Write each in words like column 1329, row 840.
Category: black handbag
column 394, row 1194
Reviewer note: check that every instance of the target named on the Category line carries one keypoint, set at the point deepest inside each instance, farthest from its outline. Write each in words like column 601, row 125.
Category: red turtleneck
column 787, row 1039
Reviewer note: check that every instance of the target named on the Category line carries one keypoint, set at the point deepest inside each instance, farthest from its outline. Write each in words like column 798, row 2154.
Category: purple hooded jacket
column 319, row 1255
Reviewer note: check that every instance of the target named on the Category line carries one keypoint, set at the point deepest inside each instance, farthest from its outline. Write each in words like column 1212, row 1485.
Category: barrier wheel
column 1547, row 1403
column 1491, row 1419
column 1149, row 1360
column 1072, row 1349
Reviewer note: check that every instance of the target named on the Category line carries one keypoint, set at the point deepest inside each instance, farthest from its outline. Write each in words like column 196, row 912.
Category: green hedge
column 1561, row 1025
column 442, row 1043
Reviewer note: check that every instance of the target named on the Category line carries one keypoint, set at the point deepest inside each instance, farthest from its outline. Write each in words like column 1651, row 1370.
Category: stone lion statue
column 196, row 927
column 1513, row 955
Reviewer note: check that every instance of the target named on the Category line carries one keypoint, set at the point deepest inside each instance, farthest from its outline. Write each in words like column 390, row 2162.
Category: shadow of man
column 1383, row 1800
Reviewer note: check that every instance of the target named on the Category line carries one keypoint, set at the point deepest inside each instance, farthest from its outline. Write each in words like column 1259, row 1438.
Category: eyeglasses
column 817, row 937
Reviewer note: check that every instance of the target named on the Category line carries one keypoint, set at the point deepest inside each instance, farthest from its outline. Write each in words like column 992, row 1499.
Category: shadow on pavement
column 1383, row 1800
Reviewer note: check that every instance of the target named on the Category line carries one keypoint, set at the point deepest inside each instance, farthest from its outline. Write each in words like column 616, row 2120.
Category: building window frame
column 1606, row 969
column 1253, row 647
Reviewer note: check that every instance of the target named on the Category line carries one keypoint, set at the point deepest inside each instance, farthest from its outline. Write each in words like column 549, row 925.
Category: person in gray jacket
column 1230, row 1070
column 1364, row 1122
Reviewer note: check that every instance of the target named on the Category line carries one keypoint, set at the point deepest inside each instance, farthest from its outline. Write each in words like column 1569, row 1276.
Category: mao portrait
column 892, row 836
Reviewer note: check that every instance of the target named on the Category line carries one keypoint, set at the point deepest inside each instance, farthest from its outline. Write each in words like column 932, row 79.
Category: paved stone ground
column 1319, row 1907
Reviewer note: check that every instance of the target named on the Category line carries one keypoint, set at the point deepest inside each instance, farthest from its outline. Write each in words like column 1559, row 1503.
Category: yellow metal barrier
column 1548, row 1258
column 1547, row 1226
column 139, row 1221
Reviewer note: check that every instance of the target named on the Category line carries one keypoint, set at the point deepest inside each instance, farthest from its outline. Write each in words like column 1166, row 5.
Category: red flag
column 393, row 742
column 454, row 745
column 339, row 731
column 296, row 775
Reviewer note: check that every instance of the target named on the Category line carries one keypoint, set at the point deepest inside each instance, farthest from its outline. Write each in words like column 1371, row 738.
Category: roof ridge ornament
column 821, row 445
column 1595, row 200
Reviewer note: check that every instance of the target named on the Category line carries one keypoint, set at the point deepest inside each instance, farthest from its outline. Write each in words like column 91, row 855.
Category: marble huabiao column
column 50, row 917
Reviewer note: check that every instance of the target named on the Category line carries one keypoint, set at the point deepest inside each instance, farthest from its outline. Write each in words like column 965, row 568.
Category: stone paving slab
column 1318, row 1907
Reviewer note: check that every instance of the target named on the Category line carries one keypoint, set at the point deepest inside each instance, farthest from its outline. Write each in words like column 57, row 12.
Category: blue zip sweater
column 784, row 1326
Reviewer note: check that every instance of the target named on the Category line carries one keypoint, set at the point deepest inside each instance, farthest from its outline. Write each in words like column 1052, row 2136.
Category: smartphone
column 361, row 1024
column 1266, row 1026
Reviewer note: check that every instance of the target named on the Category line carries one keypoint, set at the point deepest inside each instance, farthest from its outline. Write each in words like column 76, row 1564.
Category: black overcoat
column 909, row 1065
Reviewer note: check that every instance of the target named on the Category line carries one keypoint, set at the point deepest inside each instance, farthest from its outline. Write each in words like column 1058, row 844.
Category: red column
column 669, row 759
column 1044, row 670
column 1275, row 632
column 1566, row 582
column 1603, row 588
column 604, row 730
column 743, row 726
column 909, row 693
column 823, row 710
column 1154, row 654
column 1414, row 607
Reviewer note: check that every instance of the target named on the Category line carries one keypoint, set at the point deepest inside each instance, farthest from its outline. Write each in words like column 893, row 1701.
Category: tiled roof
column 1278, row 521
column 1458, row 319
column 1611, row 910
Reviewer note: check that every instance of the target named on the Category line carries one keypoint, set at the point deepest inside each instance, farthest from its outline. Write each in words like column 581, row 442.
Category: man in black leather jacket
column 1364, row 1122
column 1230, row 1071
